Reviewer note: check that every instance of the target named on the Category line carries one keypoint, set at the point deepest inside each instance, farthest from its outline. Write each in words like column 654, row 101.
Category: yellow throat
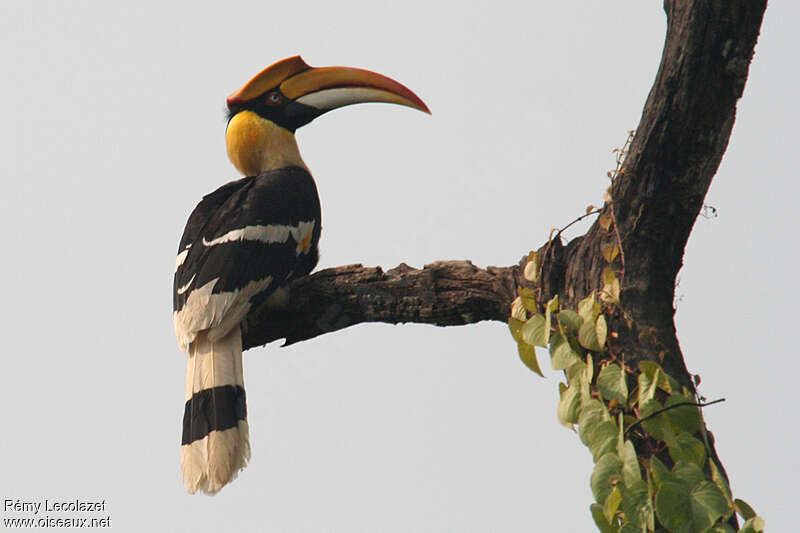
column 256, row 145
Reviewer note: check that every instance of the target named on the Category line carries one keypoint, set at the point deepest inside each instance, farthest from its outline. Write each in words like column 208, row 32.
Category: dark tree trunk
column 683, row 133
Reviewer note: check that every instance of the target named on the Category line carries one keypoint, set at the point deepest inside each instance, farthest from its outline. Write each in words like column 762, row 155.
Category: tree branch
column 445, row 293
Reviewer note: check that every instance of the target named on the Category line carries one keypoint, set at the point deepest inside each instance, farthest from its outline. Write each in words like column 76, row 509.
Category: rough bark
column 446, row 293
column 682, row 135
column 679, row 144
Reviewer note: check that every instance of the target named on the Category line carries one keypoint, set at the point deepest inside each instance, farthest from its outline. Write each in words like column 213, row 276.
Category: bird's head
column 266, row 111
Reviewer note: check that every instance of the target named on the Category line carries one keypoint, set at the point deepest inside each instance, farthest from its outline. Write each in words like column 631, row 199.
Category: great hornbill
column 245, row 242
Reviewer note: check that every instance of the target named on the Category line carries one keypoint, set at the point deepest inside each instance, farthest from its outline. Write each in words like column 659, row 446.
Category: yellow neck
column 256, row 145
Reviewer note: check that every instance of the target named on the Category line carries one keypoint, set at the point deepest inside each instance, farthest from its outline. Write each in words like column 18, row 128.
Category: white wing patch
column 220, row 312
column 216, row 312
column 183, row 289
column 182, row 257
column 271, row 233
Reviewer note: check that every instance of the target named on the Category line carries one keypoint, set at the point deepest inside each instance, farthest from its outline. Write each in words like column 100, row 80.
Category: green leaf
column 719, row 480
column 647, row 387
column 528, row 355
column 579, row 373
column 743, row 509
column 637, row 505
column 569, row 320
column 518, row 310
column 660, row 472
column 568, row 405
column 656, row 373
column 604, row 439
column 684, row 419
column 689, row 449
column 630, row 464
column 551, row 307
column 562, row 353
column 600, row 520
column 655, row 425
column 589, row 309
column 528, row 298
column 753, row 525
column 630, row 528
column 593, row 412
column 610, row 292
column 612, row 504
column 587, row 337
column 611, row 383
column 684, row 447
column 708, row 504
column 533, row 331
column 548, row 317
column 673, row 507
column 687, row 473
column 601, row 331
column 606, row 474
column 515, row 326
column 672, row 385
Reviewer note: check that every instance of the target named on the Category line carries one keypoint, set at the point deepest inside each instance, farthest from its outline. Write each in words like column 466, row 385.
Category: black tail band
column 217, row 409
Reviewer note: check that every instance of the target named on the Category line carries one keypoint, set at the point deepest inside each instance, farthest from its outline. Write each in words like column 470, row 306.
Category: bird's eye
column 274, row 98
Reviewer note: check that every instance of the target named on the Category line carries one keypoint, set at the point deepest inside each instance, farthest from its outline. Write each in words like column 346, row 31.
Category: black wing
column 251, row 230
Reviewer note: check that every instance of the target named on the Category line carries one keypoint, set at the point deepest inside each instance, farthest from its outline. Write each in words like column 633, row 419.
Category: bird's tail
column 215, row 443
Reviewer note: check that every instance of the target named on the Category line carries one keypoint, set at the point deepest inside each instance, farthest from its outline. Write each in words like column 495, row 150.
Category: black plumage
column 284, row 196
column 215, row 409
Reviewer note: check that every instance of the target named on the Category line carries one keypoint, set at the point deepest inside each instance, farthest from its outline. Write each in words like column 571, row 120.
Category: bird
column 244, row 243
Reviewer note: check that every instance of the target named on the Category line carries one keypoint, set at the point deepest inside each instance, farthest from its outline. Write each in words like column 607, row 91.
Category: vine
column 671, row 484
column 653, row 470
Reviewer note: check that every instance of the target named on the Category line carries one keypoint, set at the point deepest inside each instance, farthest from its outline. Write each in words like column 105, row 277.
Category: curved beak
column 326, row 88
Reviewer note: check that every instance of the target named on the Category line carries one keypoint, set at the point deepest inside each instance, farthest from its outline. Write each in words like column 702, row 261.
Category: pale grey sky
column 115, row 129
